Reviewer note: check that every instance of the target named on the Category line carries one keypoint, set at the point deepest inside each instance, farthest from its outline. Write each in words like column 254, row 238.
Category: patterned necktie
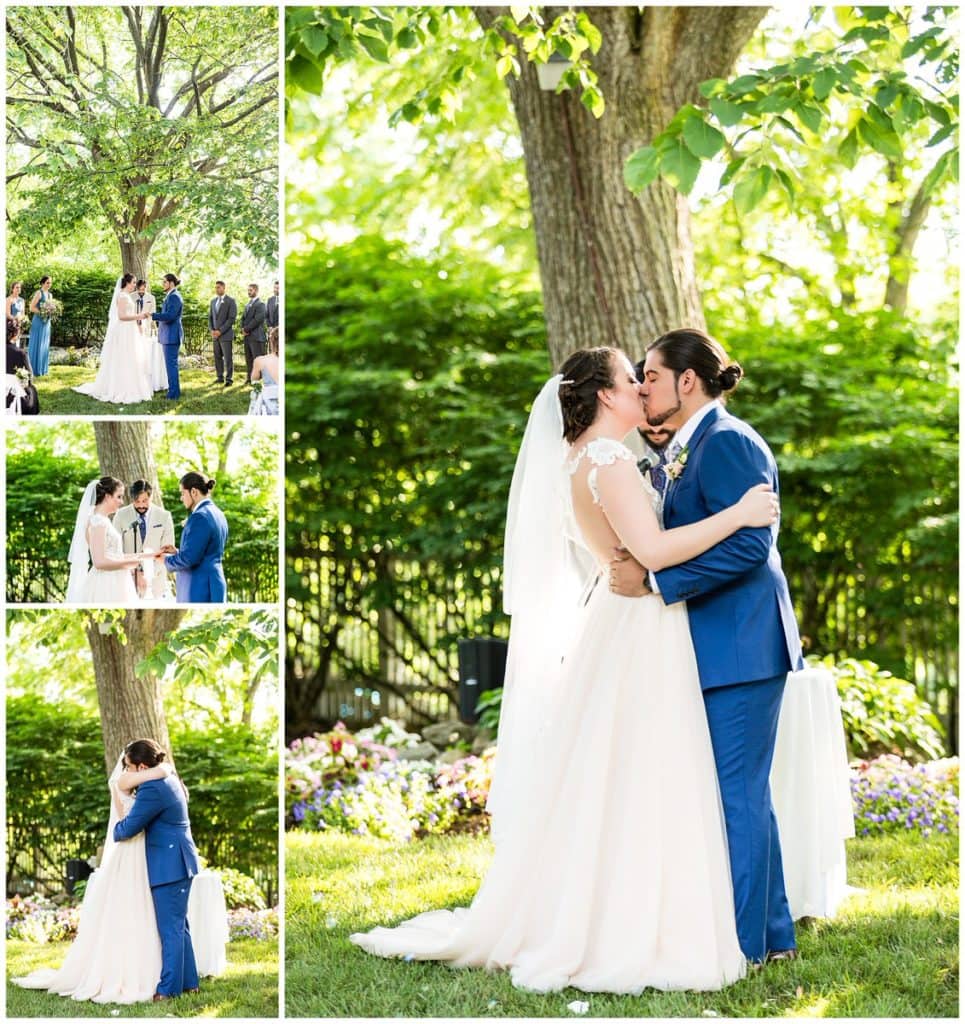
column 143, row 525
column 658, row 476
column 140, row 303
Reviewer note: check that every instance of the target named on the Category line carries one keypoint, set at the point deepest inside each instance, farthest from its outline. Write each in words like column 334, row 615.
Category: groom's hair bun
column 145, row 752
column 689, row 348
column 195, row 481
column 105, row 486
column 173, row 279
column 584, row 374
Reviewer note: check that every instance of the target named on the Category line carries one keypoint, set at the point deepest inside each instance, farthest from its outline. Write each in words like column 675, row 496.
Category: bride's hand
column 759, row 506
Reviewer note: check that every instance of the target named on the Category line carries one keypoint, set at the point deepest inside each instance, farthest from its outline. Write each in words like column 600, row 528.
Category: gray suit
column 253, row 326
column 159, row 532
column 271, row 315
column 222, row 318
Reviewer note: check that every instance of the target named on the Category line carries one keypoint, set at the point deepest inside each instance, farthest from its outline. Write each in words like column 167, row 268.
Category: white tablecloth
column 208, row 918
column 811, row 790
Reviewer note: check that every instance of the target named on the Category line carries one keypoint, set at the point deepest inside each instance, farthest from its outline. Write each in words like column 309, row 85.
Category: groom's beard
column 658, row 420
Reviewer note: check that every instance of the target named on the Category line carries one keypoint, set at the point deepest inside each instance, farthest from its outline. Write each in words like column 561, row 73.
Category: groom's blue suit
column 160, row 811
column 198, row 563
column 170, row 334
column 746, row 640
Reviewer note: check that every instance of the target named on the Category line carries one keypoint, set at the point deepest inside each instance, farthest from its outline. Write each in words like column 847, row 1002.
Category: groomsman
column 271, row 309
column 145, row 526
column 145, row 301
column 221, row 323
column 253, row 328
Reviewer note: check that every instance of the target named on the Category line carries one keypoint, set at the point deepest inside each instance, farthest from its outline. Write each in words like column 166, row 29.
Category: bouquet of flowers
column 23, row 375
column 256, row 386
column 51, row 309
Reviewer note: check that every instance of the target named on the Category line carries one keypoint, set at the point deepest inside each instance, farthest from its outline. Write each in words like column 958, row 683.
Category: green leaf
column 702, row 139
column 752, row 188
column 375, row 47
column 917, row 42
column 641, row 169
column 809, row 116
column 592, row 99
column 315, row 39
column 713, row 87
column 824, row 82
column 732, row 168
column 881, row 140
column 590, row 32
column 679, row 166
column 726, row 112
column 938, row 112
column 790, row 127
column 776, row 103
column 934, row 177
column 304, row 73
column 848, row 150
column 788, row 184
column 942, row 134
column 407, row 39
column 744, row 84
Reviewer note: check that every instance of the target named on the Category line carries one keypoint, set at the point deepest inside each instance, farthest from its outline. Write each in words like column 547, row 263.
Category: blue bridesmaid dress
column 38, row 347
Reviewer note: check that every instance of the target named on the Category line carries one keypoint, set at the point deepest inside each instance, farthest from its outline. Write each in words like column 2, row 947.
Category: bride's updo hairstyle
column 584, row 374
column 126, row 280
column 691, row 349
column 105, row 486
column 145, row 752
column 195, row 481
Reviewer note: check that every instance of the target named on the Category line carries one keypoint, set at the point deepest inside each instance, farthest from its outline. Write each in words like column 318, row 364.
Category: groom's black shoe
column 781, row 954
column 228, row 383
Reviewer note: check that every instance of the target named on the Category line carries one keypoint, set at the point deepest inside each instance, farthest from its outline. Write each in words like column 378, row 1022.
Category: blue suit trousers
column 171, row 365
column 178, row 968
column 743, row 728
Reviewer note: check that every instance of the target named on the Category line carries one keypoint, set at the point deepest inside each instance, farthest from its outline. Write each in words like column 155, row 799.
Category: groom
column 160, row 811
column 170, row 333
column 198, row 563
column 741, row 618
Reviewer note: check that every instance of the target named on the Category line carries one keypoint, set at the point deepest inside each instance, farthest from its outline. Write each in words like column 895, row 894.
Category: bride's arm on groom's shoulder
column 127, row 781
column 101, row 557
column 627, row 506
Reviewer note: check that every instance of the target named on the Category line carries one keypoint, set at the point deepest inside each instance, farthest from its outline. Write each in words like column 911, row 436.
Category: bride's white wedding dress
column 612, row 875
column 116, row 957
column 124, row 373
column 107, row 586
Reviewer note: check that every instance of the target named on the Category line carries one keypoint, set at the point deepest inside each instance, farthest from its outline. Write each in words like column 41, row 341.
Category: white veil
column 546, row 568
column 79, row 554
column 114, row 817
column 113, row 313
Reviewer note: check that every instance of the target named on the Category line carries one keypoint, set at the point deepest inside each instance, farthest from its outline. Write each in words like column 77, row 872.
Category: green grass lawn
column 200, row 395
column 890, row 952
column 249, row 987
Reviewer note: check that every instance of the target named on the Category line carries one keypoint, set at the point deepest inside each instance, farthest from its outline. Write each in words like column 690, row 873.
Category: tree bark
column 900, row 259
column 618, row 269
column 135, row 256
column 124, row 451
column 130, row 705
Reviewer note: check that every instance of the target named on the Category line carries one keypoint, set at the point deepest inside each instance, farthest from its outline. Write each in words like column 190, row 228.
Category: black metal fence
column 400, row 659
column 37, row 860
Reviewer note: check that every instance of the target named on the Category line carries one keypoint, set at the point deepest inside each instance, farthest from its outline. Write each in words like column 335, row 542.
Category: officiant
column 144, row 526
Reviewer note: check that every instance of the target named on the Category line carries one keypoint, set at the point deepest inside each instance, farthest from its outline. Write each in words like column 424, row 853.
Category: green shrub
column 240, row 890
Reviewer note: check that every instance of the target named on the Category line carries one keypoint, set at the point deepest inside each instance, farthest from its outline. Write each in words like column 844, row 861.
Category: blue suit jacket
column 170, row 331
column 201, row 576
column 741, row 617
column 160, row 811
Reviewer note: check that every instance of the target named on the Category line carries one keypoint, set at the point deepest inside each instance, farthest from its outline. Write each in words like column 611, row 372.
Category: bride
column 124, row 374
column 116, row 957
column 100, row 572
column 610, row 871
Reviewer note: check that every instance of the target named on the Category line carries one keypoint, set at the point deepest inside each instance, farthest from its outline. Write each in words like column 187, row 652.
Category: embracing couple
column 133, row 941
column 130, row 369
column 119, row 553
column 635, row 842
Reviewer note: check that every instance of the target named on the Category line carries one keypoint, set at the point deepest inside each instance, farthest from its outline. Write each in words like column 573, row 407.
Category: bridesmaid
column 39, row 344
column 16, row 306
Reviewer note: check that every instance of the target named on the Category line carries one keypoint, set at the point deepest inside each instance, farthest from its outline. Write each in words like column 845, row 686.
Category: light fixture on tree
column 550, row 73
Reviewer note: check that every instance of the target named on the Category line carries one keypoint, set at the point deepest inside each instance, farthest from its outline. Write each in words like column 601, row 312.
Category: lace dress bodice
column 112, row 539
column 604, row 451
column 125, row 305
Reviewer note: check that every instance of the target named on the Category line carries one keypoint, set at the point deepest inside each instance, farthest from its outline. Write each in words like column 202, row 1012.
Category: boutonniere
column 675, row 468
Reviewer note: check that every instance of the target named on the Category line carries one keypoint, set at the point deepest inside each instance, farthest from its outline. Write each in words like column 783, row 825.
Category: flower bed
column 355, row 784
column 244, row 923
column 38, row 919
column 890, row 795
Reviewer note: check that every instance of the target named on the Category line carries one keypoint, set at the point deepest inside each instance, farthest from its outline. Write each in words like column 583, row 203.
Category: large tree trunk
column 135, row 255
column 124, row 451
column 130, row 705
column 617, row 269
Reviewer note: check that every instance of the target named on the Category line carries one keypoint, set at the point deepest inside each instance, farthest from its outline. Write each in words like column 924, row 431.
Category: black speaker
column 482, row 667
column 77, row 871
